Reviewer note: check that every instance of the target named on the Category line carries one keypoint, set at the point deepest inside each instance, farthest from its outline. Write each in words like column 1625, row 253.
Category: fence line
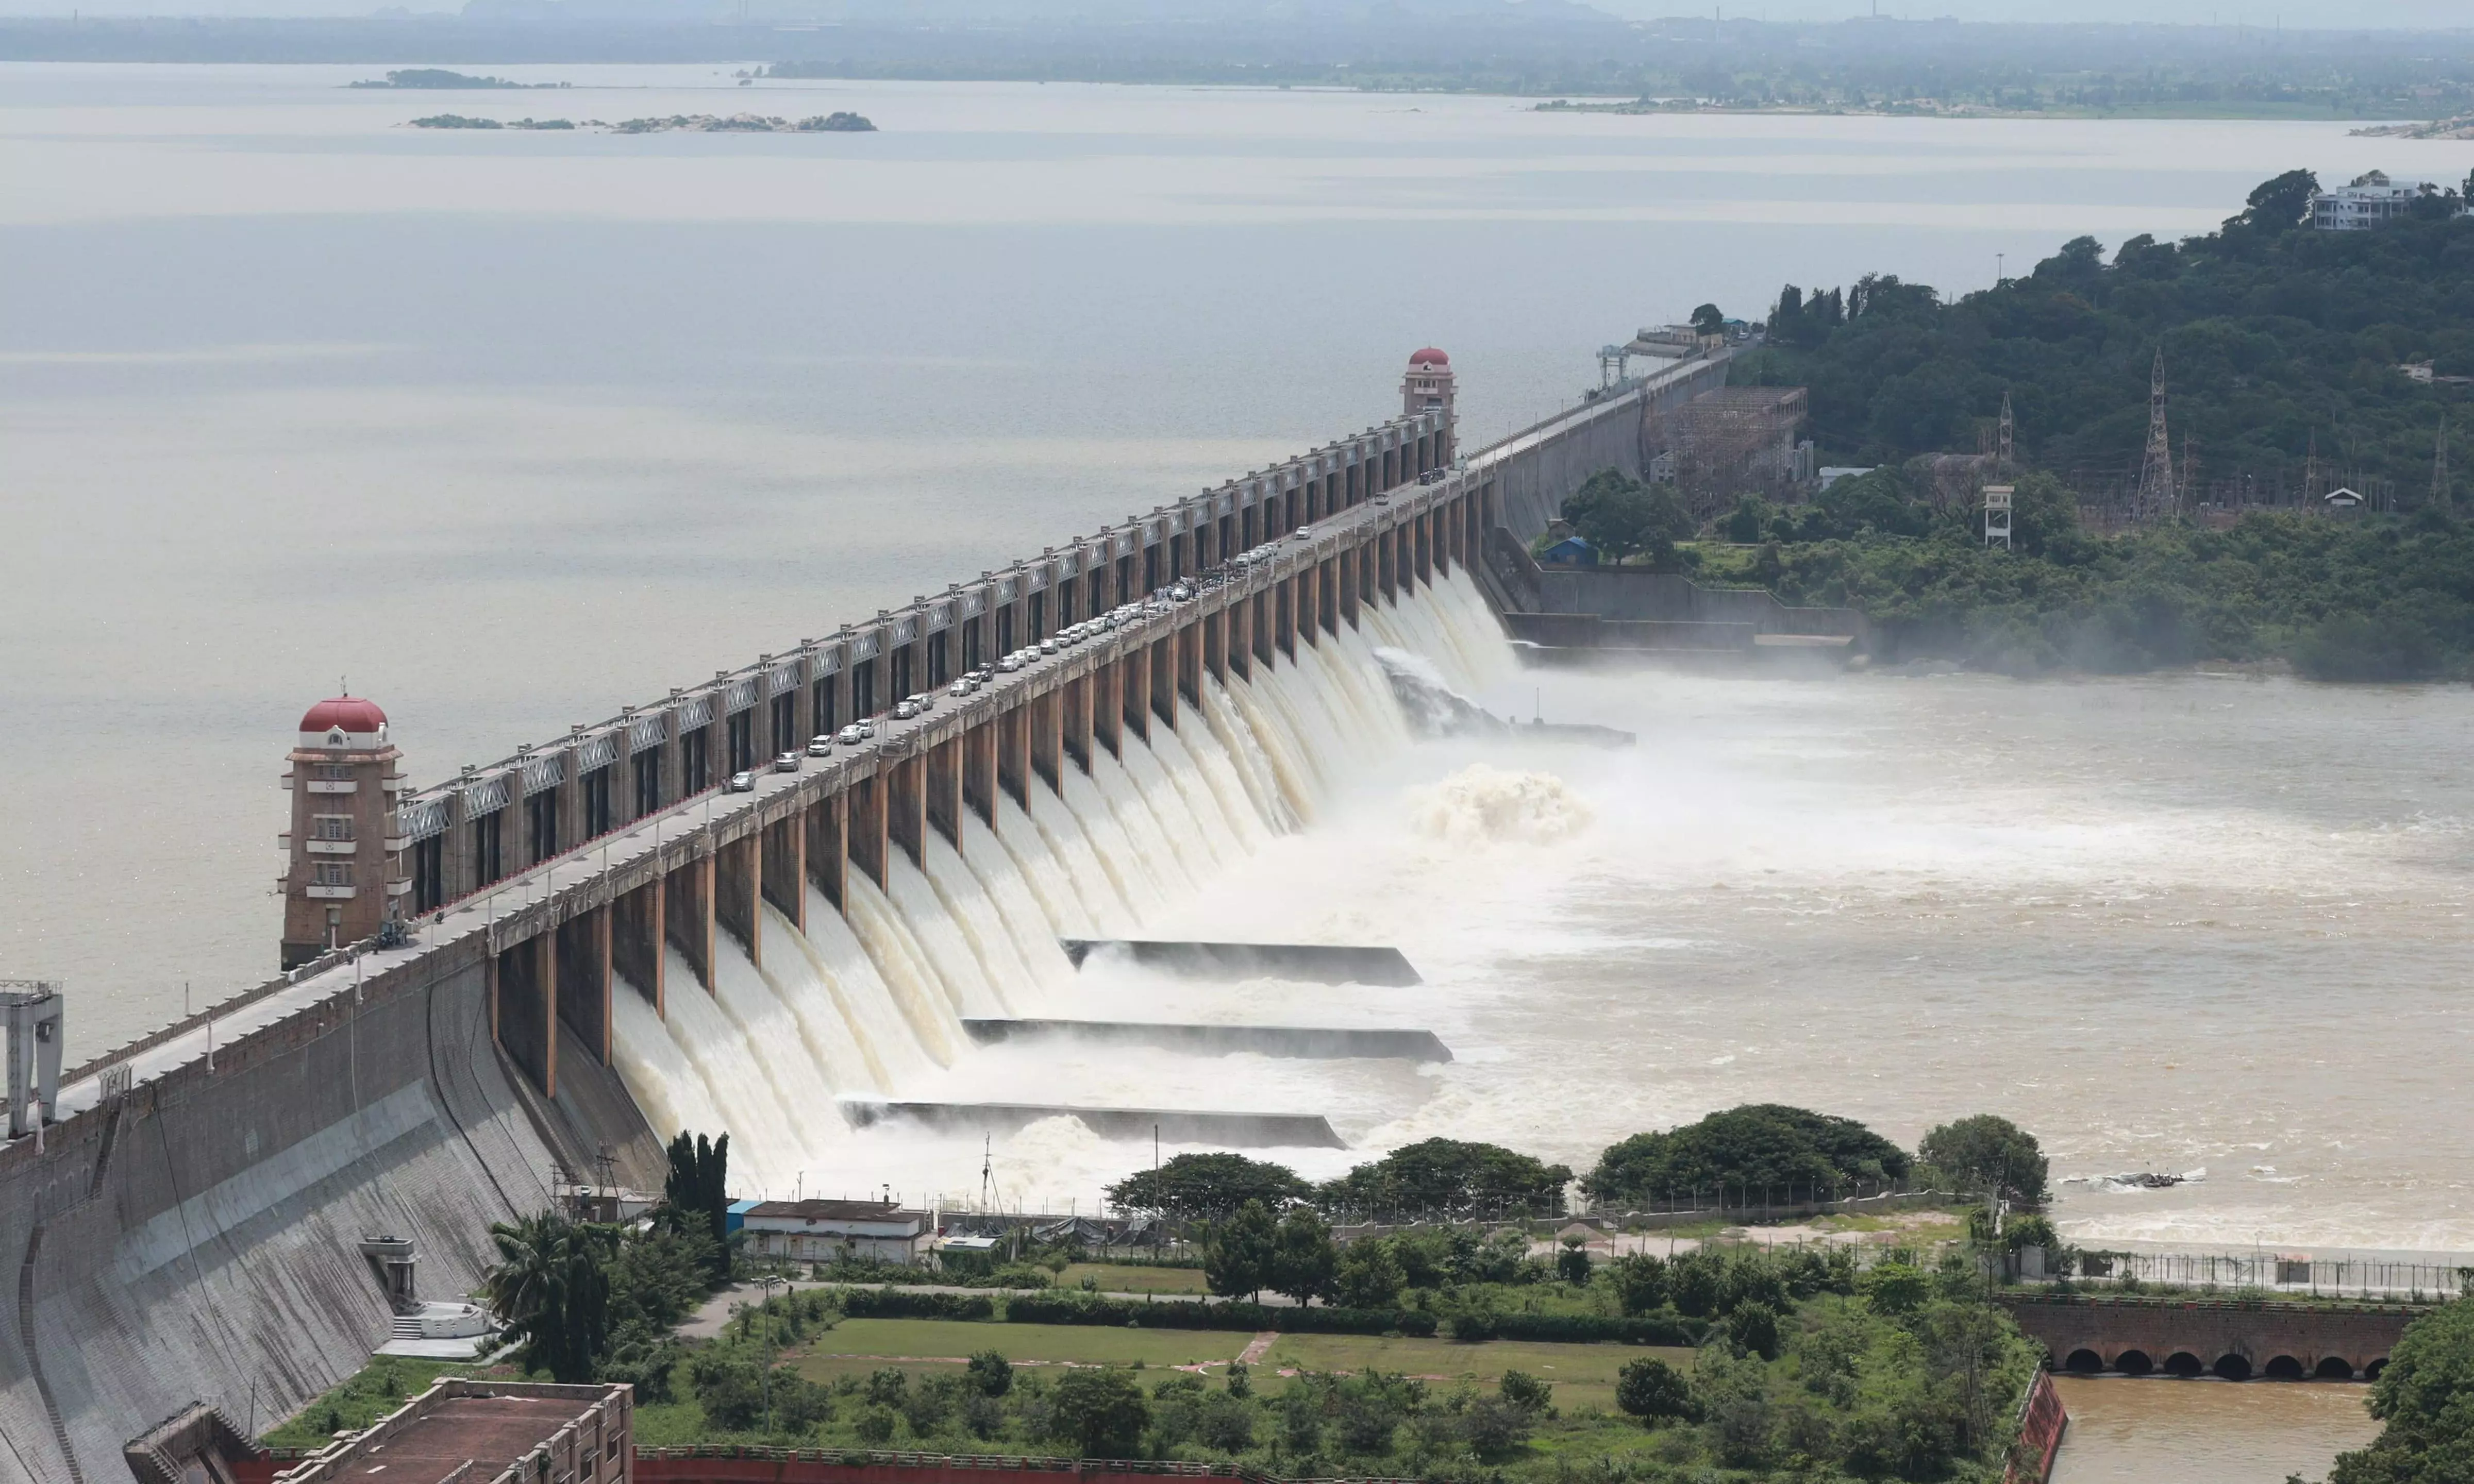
column 2264, row 1272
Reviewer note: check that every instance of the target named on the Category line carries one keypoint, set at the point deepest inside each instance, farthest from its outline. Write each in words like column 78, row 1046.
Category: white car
column 1010, row 662
column 962, row 687
column 821, row 745
column 924, row 699
column 1305, row 533
column 853, row 734
column 866, row 727
column 1180, row 593
column 786, row 762
column 1053, row 644
column 742, row 782
column 904, row 710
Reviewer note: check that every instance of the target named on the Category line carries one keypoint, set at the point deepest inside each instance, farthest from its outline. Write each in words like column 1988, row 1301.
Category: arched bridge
column 2234, row 1339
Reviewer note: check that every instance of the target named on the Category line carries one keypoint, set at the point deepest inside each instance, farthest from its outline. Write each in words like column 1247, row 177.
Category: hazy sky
column 2303, row 13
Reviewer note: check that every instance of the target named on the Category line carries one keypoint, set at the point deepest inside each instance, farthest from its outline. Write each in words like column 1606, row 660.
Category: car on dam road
column 742, row 782
column 786, row 762
column 852, row 736
column 904, row 710
column 821, row 745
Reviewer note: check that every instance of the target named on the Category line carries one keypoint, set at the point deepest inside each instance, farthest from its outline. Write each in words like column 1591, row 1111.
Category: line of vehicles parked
column 920, row 702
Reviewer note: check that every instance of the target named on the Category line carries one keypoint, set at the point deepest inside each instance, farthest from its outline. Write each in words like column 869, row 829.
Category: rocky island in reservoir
column 439, row 78
column 688, row 123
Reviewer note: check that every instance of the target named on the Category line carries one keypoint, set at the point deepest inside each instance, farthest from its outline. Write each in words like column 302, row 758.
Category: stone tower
column 343, row 874
column 1429, row 386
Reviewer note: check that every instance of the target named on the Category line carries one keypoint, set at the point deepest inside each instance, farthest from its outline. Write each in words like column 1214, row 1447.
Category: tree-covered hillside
column 2273, row 333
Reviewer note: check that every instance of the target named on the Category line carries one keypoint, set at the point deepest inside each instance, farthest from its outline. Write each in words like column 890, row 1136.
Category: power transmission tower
column 2439, row 492
column 2156, row 499
column 2006, row 429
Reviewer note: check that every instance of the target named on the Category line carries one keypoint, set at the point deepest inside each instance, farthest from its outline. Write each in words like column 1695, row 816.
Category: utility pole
column 2007, row 429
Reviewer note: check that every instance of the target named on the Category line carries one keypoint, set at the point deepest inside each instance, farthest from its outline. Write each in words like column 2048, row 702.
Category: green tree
column 2283, row 201
column 1709, row 319
column 550, row 1286
column 1621, row 518
column 1653, row 1390
column 1740, row 1153
column 1239, row 1255
column 1303, row 1259
column 696, row 1193
column 2425, row 1400
column 1208, row 1187
column 1368, row 1275
column 1991, row 1154
column 1572, row 1262
column 1447, row 1177
column 1100, row 1410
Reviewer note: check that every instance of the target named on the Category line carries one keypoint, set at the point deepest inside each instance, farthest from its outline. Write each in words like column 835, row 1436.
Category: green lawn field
column 863, row 1344
column 1133, row 1277
column 1584, row 1375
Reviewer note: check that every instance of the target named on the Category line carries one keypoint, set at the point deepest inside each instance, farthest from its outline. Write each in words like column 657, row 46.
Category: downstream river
column 507, row 428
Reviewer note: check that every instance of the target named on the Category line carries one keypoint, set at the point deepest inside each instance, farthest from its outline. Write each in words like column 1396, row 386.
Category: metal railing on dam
column 187, row 1228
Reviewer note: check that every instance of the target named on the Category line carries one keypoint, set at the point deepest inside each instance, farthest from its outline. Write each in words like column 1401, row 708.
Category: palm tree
column 551, row 1287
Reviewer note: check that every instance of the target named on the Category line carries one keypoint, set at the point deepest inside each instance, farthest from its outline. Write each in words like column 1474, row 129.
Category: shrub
column 1494, row 1426
column 989, row 1373
column 1653, row 1390
column 1896, row 1288
column 1755, row 1328
column 876, row 1425
column 1100, row 1410
column 1640, row 1281
column 1526, row 1392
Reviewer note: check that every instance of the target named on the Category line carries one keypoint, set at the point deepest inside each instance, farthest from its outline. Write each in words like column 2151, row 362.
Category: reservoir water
column 507, row 428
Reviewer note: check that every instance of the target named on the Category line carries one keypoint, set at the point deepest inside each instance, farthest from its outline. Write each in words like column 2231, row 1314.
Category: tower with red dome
column 343, row 874
column 1428, row 388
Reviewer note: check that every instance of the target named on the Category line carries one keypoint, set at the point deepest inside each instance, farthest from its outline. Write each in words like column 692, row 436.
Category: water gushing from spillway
column 868, row 1002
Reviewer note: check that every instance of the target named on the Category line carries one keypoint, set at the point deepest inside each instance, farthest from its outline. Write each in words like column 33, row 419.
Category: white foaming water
column 1902, row 900
column 869, row 1002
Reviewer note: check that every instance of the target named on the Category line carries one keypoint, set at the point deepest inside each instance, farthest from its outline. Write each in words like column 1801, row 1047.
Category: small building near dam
column 815, row 1231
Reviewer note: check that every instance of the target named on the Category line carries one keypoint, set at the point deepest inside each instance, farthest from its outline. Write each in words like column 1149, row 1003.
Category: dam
column 696, row 914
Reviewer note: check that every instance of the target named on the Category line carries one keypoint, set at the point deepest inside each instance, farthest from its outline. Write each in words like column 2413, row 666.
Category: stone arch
column 2282, row 1368
column 2371, row 1371
column 2233, row 1367
column 2087, row 1362
column 2182, row 1363
column 2133, row 1362
column 2333, row 1368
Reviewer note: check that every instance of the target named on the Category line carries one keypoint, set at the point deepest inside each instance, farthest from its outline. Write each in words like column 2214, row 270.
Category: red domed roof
column 1430, row 356
column 352, row 713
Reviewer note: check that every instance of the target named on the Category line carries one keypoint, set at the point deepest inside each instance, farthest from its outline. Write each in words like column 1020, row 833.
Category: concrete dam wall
column 783, row 963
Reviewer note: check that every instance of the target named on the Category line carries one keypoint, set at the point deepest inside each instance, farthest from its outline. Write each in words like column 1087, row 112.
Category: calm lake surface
column 508, row 428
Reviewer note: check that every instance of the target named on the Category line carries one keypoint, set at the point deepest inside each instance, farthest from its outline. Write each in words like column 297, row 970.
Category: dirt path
column 1257, row 1348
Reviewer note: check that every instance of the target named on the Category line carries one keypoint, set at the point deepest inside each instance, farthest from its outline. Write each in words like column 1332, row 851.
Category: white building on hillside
column 2366, row 202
